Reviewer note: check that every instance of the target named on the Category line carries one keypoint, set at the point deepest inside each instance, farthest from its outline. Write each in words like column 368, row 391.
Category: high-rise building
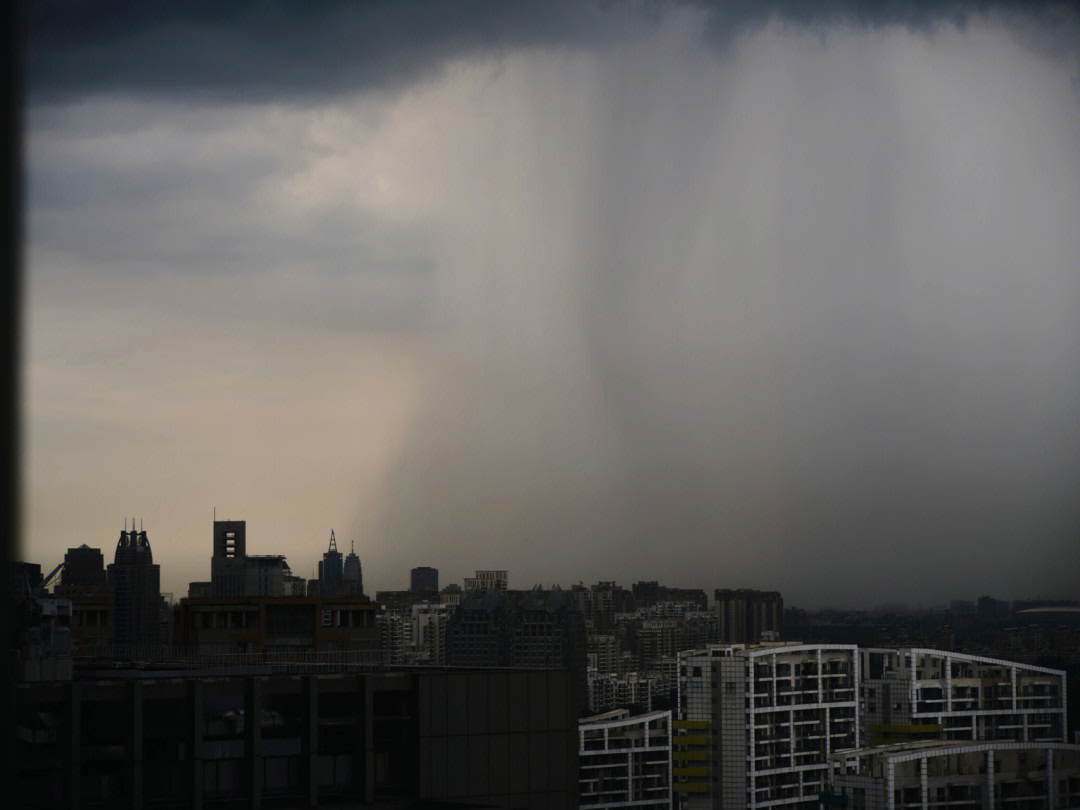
column 236, row 574
column 478, row 634
column 331, row 569
column 747, row 617
column 649, row 593
column 429, row 623
column 135, row 582
column 424, row 580
column 83, row 573
column 84, row 581
column 943, row 775
column 352, row 574
column 757, row 724
column 227, row 564
column 625, row 761
column 911, row 693
column 491, row 627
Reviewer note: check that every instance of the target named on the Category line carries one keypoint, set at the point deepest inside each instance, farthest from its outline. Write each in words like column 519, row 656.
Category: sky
column 767, row 295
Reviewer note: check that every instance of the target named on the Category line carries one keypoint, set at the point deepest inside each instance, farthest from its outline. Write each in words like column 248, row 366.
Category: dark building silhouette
column 227, row 564
column 234, row 573
column 745, row 616
column 991, row 608
column 478, row 633
column 352, row 574
column 650, row 593
column 84, row 581
column 83, row 573
column 285, row 625
column 535, row 629
column 348, row 738
column 331, row 569
column 24, row 579
column 135, row 582
column 424, row 580
column 401, row 601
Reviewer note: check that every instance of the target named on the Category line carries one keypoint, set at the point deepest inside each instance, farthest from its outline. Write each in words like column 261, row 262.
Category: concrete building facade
column 915, row 693
column 756, row 724
column 505, row 739
column 244, row 625
column 625, row 761
column 941, row 775
column 746, row 616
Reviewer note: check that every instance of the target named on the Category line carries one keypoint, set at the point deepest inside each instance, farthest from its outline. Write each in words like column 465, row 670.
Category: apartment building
column 914, row 693
column 625, row 761
column 756, row 724
column 608, row 691
column 942, row 775
column 746, row 616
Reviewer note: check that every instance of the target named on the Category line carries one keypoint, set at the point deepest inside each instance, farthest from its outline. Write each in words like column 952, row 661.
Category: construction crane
column 39, row 589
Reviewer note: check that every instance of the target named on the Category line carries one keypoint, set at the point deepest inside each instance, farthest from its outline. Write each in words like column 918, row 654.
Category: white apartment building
column 609, row 691
column 943, row 775
column 757, row 723
column 415, row 638
column 625, row 761
column 912, row 693
column 427, row 642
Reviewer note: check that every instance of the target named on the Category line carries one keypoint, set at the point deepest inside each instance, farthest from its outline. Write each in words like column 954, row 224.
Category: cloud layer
column 689, row 294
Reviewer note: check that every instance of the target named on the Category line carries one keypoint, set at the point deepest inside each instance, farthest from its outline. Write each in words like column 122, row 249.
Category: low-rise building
column 487, row 581
column 277, row 624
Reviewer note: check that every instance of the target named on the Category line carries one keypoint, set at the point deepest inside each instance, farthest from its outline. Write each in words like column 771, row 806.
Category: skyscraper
column 135, row 582
column 330, row 569
column 352, row 573
column 227, row 564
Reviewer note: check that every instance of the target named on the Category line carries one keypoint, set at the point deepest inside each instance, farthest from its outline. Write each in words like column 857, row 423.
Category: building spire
column 333, row 542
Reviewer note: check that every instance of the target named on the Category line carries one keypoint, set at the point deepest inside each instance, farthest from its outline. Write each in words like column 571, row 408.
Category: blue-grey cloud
column 262, row 50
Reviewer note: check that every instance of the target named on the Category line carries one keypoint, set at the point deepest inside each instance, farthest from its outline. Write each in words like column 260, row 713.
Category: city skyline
column 700, row 293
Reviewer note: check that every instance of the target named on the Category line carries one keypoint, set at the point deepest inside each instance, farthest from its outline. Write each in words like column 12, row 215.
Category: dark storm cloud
column 263, row 50
column 802, row 316
column 822, row 292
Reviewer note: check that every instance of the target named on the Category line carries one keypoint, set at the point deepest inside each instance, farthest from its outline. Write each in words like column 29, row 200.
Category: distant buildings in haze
column 424, row 580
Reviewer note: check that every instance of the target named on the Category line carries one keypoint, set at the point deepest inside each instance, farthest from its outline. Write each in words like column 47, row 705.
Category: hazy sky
column 724, row 295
